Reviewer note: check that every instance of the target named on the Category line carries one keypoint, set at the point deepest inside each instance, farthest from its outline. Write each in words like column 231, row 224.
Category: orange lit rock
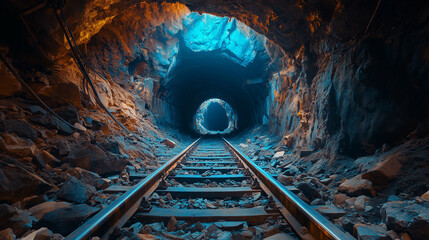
column 357, row 186
column 386, row 170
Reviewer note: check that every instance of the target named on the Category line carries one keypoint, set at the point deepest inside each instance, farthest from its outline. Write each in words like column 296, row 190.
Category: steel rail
column 319, row 227
column 107, row 218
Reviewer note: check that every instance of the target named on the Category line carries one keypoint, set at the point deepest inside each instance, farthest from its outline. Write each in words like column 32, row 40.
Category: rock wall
column 366, row 91
column 342, row 86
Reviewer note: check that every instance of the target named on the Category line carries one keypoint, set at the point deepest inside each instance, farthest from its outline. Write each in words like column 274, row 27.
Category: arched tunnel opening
column 217, row 58
column 216, row 118
column 101, row 101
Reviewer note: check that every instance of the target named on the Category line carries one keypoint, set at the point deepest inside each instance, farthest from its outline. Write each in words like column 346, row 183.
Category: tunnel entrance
column 209, row 57
column 215, row 117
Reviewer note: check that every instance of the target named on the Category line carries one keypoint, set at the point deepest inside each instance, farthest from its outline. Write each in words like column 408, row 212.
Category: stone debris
column 357, row 186
column 19, row 127
column 201, row 203
column 40, row 210
column 407, row 216
column 385, row 171
column 18, row 183
column 40, row 234
column 370, row 232
column 330, row 211
column 93, row 158
column 76, row 191
column 66, row 220
column 340, row 199
column 172, row 224
column 308, row 190
column 7, row 234
column 89, row 178
column 170, row 143
column 425, row 196
column 279, row 154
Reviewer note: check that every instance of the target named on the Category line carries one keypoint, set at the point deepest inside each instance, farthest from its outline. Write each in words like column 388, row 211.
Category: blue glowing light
column 209, row 33
column 199, row 121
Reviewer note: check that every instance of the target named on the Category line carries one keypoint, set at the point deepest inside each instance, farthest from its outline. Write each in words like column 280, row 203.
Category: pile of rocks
column 355, row 194
column 52, row 176
column 174, row 229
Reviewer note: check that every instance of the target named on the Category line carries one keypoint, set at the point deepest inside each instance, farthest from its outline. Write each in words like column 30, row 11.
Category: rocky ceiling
column 290, row 23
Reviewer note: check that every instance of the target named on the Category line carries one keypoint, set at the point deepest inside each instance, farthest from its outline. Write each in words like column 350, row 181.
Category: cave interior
column 331, row 93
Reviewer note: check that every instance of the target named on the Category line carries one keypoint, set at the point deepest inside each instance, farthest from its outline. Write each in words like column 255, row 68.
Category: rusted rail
column 306, row 222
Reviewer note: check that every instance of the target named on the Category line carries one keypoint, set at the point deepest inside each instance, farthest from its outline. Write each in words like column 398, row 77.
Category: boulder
column 68, row 113
column 330, row 211
column 291, row 171
column 17, row 183
column 386, row 170
column 40, row 210
column 172, row 224
column 49, row 158
column 279, row 154
column 31, row 201
column 20, row 222
column 370, row 232
column 66, row 220
column 340, row 199
column 35, row 109
column 7, row 234
column 112, row 146
column 285, row 180
column 169, row 143
column 89, row 177
column 17, row 147
column 52, row 122
column 60, row 94
column 425, row 196
column 357, row 186
column 20, row 127
column 76, row 191
column 40, row 234
column 361, row 202
column 309, row 191
column 94, row 159
column 63, row 148
column 407, row 216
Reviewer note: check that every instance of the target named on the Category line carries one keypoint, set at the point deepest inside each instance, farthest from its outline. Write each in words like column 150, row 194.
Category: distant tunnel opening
column 216, row 118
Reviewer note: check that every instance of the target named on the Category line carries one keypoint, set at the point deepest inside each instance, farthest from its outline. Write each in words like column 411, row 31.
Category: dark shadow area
column 199, row 76
column 215, row 118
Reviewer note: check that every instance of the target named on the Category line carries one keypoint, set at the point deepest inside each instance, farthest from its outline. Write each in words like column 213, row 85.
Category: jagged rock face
column 336, row 89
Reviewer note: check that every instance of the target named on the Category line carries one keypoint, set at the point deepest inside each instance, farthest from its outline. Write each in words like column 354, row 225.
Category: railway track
column 210, row 182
